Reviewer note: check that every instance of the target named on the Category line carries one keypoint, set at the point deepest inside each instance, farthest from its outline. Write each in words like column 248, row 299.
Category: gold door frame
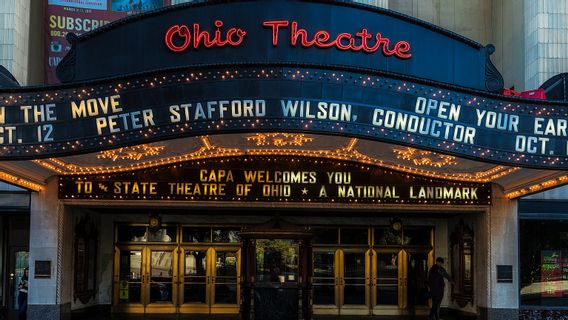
column 354, row 309
column 401, row 308
column 209, row 307
column 223, row 308
column 376, row 306
column 127, row 307
column 162, row 307
column 201, row 308
column 340, row 308
column 144, row 306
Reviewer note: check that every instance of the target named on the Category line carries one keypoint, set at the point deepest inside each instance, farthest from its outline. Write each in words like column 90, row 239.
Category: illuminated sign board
column 170, row 105
column 362, row 41
column 320, row 67
column 280, row 179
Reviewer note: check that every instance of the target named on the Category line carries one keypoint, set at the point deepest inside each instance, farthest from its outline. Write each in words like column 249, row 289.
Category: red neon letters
column 179, row 38
column 233, row 37
column 343, row 41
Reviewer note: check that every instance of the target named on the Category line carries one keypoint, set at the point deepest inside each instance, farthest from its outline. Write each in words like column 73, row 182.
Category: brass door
column 209, row 280
column 225, row 279
column 399, row 281
column 347, row 281
column 389, row 282
column 161, row 279
column 145, row 279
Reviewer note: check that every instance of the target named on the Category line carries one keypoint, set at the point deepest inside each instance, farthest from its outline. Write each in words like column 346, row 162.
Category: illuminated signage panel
column 110, row 114
column 280, row 179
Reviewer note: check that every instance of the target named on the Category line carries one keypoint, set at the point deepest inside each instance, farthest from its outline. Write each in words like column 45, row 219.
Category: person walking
column 23, row 296
column 437, row 285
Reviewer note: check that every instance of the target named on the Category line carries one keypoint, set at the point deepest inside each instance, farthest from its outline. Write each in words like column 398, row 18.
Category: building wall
column 508, row 38
column 546, row 38
column 37, row 61
column 14, row 35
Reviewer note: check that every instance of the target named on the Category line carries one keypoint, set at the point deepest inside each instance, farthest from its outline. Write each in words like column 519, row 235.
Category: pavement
column 206, row 317
column 233, row 317
column 104, row 315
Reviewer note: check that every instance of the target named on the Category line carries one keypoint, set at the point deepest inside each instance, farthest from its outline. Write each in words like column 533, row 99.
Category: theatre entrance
column 272, row 271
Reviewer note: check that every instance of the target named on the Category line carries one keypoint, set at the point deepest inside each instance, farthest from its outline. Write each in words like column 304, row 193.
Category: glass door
column 399, row 286
column 161, row 279
column 195, row 294
column 341, row 281
column 144, row 279
column 128, row 279
column 326, row 281
column 389, row 283
column 210, row 280
column 225, row 285
column 354, row 281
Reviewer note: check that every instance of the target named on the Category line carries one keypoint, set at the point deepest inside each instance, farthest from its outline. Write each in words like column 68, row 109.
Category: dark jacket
column 436, row 282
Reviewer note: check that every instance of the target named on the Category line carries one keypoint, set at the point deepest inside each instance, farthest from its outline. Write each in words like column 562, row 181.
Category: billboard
column 80, row 16
column 85, row 4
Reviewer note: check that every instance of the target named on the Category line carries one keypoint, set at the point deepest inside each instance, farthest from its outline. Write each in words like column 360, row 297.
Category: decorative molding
column 279, row 139
column 208, row 150
column 425, row 158
column 65, row 70
column 131, row 153
column 493, row 78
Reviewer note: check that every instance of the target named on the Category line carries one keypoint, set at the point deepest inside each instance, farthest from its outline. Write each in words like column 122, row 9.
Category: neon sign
column 343, row 41
column 233, row 37
column 179, row 38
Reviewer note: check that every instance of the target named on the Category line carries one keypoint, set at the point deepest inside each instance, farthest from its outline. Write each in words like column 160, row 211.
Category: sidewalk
column 91, row 316
column 102, row 315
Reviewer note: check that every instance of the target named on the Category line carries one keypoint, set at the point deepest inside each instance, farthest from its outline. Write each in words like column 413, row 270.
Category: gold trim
column 538, row 187
column 131, row 153
column 21, row 182
column 279, row 139
column 424, row 158
column 208, row 150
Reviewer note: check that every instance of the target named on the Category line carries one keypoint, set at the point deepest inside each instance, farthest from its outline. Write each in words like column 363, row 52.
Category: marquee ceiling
column 515, row 181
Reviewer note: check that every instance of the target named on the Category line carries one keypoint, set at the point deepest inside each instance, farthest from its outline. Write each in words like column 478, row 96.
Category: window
column 129, row 233
column 354, row 236
column 544, row 262
column 325, row 235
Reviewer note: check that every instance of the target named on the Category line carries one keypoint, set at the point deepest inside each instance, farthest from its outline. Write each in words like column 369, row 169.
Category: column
column 501, row 299
column 50, row 287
